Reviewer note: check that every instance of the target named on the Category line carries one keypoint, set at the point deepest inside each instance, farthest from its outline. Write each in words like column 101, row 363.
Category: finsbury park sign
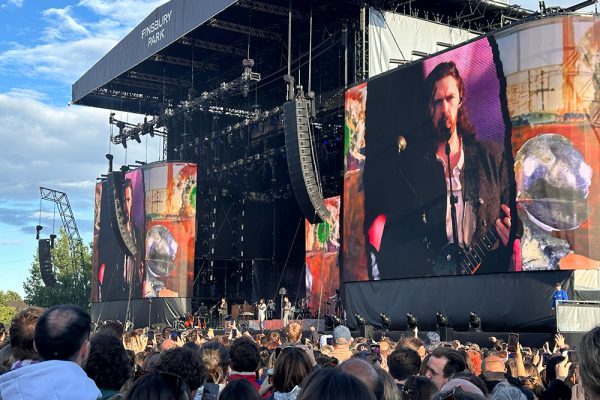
column 155, row 31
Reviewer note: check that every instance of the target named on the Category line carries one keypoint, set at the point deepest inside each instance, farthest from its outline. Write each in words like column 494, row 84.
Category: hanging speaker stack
column 114, row 183
column 45, row 260
column 302, row 163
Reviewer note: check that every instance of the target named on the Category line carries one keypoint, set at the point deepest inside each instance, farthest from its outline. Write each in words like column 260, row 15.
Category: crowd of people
column 53, row 354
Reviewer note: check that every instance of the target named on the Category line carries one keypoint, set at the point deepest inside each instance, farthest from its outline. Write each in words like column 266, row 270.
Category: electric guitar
column 454, row 260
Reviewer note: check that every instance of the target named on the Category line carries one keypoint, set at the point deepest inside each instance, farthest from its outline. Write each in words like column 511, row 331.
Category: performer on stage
column 337, row 301
column 559, row 295
column 223, row 311
column 270, row 309
column 287, row 311
column 421, row 222
column 262, row 311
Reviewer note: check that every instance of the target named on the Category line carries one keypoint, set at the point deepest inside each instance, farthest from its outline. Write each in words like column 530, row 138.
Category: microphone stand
column 453, row 199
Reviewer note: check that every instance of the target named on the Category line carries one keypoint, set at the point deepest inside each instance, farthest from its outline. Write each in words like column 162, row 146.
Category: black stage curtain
column 505, row 302
column 142, row 312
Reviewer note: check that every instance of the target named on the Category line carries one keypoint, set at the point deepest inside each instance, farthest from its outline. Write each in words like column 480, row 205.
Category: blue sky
column 45, row 46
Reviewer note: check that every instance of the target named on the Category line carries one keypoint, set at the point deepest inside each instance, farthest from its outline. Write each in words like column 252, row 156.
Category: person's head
column 113, row 328
column 551, row 367
column 475, row 380
column 216, row 370
column 403, row 362
column 334, row 384
column 262, row 301
column 312, row 328
column 244, row 355
column 239, row 389
column 464, row 384
column 185, row 363
column 2, row 332
column 285, row 298
column 293, row 332
column 291, row 367
column 6, row 359
column 62, row 333
column 446, row 102
column 493, row 368
column 364, row 372
column 22, row 333
column 388, row 388
column 589, row 363
column 108, row 363
column 505, row 391
column 342, row 336
column 443, row 363
column 127, row 198
column 558, row 286
column 159, row 386
column 415, row 344
column 274, row 337
column 418, row 387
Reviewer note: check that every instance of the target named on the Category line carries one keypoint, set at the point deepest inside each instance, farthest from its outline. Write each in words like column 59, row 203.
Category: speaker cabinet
column 45, row 260
column 302, row 163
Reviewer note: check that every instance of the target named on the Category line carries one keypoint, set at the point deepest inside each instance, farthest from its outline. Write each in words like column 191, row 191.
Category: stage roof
column 192, row 45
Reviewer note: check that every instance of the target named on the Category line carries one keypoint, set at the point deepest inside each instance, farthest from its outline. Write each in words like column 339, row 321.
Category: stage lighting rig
column 38, row 228
column 360, row 320
column 474, row 322
column 411, row 322
column 336, row 320
column 441, row 320
column 386, row 321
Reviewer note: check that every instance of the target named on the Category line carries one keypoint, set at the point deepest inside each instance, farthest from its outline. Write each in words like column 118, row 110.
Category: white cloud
column 128, row 12
column 71, row 45
column 61, row 148
column 14, row 3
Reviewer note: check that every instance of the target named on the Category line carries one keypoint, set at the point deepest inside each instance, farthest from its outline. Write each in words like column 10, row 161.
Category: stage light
column 441, row 320
column 474, row 322
column 336, row 320
column 411, row 322
column 38, row 228
column 386, row 321
column 52, row 238
column 360, row 320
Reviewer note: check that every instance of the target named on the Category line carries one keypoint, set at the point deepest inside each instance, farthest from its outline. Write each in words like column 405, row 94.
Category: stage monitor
column 520, row 111
column 159, row 203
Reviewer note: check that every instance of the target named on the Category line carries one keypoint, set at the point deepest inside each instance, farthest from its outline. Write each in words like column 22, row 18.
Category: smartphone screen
column 375, row 349
column 513, row 341
column 545, row 358
column 330, row 341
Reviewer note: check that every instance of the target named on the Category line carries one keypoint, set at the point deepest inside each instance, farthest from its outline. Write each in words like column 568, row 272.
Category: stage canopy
column 187, row 44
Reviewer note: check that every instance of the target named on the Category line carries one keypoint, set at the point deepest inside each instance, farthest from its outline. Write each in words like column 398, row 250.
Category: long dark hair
column 159, row 386
column 442, row 70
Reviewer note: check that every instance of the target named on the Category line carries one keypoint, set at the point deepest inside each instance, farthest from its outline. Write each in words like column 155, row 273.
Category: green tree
column 73, row 276
column 8, row 310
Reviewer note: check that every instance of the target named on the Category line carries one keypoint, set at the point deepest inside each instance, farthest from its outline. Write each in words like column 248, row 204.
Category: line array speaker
column 114, row 183
column 45, row 260
column 302, row 163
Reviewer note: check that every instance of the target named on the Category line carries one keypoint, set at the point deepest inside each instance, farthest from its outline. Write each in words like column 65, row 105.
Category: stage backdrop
column 322, row 254
column 528, row 117
column 159, row 201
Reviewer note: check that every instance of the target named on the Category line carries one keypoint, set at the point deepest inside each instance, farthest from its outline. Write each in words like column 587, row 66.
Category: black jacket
column 415, row 229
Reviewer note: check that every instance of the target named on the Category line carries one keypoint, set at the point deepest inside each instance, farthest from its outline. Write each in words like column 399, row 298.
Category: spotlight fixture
column 336, row 320
column 52, row 238
column 386, row 321
column 474, row 322
column 38, row 228
column 441, row 320
column 411, row 322
column 360, row 320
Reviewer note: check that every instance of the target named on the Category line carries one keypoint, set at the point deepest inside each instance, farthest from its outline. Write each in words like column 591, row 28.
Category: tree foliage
column 8, row 310
column 73, row 276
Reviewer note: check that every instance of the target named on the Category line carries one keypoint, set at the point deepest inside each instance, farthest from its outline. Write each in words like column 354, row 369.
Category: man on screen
column 416, row 233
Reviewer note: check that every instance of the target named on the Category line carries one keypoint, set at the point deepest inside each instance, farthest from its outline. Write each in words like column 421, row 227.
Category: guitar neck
column 473, row 258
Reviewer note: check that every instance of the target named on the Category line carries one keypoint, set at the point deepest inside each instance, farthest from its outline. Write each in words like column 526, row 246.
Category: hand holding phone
column 513, row 342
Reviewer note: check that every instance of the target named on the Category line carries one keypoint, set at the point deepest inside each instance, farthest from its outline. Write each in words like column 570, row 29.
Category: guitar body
column 449, row 260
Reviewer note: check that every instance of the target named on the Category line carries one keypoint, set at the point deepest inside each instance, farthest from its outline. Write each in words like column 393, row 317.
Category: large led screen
column 322, row 267
column 159, row 207
column 515, row 116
